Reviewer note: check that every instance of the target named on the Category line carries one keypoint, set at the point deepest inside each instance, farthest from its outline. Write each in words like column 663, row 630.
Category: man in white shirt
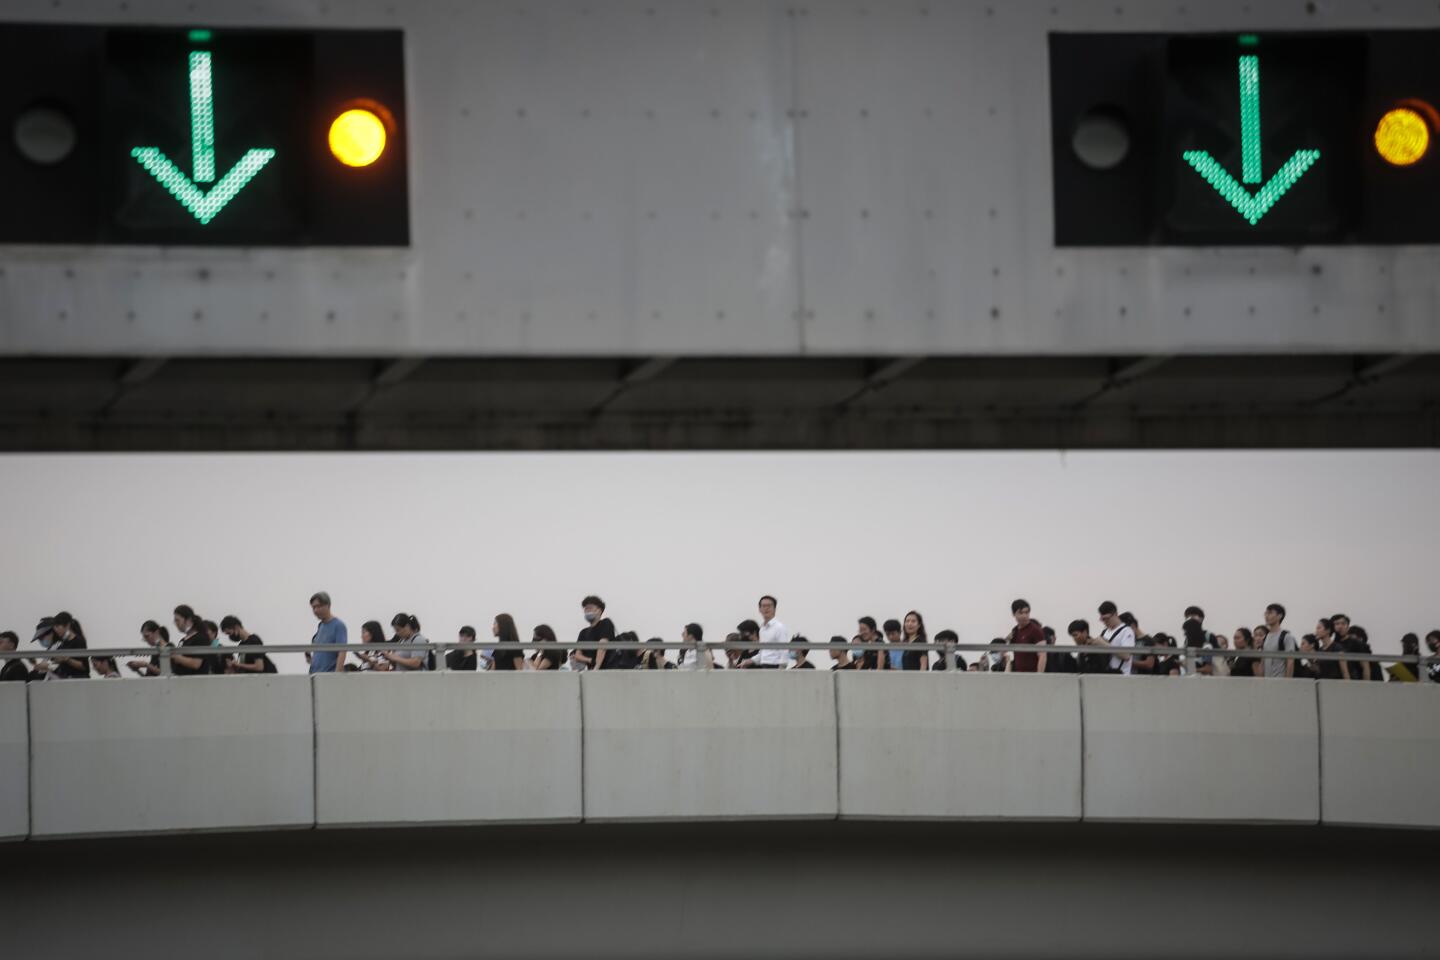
column 773, row 653
column 1115, row 634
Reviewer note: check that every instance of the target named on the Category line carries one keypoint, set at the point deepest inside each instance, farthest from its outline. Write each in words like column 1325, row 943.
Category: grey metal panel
column 1376, row 740
column 394, row 749
column 182, row 753
column 607, row 177
column 924, row 165
column 1197, row 748
column 958, row 745
column 709, row 745
column 14, row 762
column 620, row 178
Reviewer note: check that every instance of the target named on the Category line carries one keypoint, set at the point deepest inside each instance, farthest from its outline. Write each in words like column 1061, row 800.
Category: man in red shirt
column 1026, row 631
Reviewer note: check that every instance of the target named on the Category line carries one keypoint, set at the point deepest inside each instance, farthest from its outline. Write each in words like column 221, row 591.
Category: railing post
column 1188, row 659
column 165, row 670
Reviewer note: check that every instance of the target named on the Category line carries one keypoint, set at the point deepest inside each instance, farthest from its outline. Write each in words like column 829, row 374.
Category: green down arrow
column 202, row 204
column 1251, row 206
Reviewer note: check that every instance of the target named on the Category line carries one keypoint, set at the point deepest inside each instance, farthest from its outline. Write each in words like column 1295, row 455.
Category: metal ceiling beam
column 1370, row 373
column 882, row 376
column 135, row 373
column 393, row 372
column 641, row 372
column 1124, row 375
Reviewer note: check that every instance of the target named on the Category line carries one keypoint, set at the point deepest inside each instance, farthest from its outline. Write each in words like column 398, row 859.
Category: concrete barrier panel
column 1200, row 748
column 182, row 753
column 957, row 745
column 711, row 745
column 396, row 749
column 1378, row 744
column 14, row 762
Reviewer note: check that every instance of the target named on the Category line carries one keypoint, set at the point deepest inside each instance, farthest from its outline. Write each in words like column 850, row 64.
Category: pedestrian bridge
column 984, row 814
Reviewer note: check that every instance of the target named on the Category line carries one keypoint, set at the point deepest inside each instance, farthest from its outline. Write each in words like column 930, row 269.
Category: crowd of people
column 1116, row 645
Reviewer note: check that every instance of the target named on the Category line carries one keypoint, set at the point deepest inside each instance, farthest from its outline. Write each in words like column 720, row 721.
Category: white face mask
column 591, row 616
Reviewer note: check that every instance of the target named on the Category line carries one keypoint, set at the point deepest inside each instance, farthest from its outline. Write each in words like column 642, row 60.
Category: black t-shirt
column 1146, row 644
column 63, row 669
column 14, row 670
column 553, row 656
column 1363, row 670
column 506, row 659
column 1245, row 667
column 251, row 658
column 602, row 629
column 194, row 640
column 1094, row 662
column 912, row 659
column 461, row 659
column 1330, row 669
column 1058, row 662
column 960, row 664
column 807, row 665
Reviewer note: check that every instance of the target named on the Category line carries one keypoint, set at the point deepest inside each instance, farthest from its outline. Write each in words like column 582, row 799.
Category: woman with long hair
column 914, row 632
column 504, row 630
column 548, row 657
column 189, row 623
column 371, row 632
column 1245, row 666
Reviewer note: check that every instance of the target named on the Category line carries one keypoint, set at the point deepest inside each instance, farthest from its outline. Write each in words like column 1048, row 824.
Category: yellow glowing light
column 1402, row 137
column 357, row 138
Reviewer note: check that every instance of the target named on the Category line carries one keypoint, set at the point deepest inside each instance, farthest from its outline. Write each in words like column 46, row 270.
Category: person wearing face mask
column 63, row 633
column 598, row 630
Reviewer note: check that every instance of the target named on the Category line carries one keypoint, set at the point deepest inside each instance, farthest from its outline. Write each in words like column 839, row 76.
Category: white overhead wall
column 705, row 177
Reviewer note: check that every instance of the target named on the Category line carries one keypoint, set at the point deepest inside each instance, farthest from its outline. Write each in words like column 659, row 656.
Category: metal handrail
column 948, row 649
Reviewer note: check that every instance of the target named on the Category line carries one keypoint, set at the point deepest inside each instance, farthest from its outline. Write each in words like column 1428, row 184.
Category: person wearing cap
column 16, row 668
column 63, row 633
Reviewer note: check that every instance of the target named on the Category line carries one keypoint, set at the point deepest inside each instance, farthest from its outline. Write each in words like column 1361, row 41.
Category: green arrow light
column 202, row 117
column 1251, row 206
column 202, row 204
column 1249, row 118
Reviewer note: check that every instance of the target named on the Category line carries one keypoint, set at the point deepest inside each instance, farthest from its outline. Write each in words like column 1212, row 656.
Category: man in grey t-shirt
column 1278, row 638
